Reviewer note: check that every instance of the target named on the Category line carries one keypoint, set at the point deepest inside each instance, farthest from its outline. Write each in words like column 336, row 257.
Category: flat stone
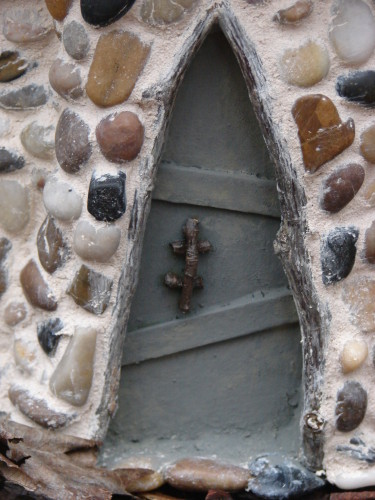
column 118, row 60
column 200, row 474
column 5, row 246
column 358, row 294
column 38, row 409
column 358, row 87
column 47, row 335
column 276, row 477
column 10, row 161
column 107, row 196
column 295, row 13
column 156, row 12
column 24, row 355
column 353, row 355
column 28, row 97
column 72, row 379
column 306, row 65
column 61, row 201
column 91, row 290
column 351, row 405
column 58, row 8
column 337, row 254
column 341, row 186
column 14, row 206
column 36, row 289
column 12, row 66
column 26, row 24
column 39, row 140
column 352, row 32
column 76, row 41
column 73, row 148
column 98, row 245
column 102, row 12
column 120, row 136
column 321, row 132
column 367, row 146
column 52, row 249
column 14, row 313
column 65, row 79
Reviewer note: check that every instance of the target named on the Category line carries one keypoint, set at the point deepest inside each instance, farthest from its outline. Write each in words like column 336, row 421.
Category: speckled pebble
column 337, row 254
column 156, row 12
column 14, row 206
column 52, row 248
column 306, row 65
column 39, row 140
column 73, row 148
column 28, row 97
column 65, row 79
column 61, row 200
column 98, row 245
column 341, row 186
column 10, row 161
column 12, row 66
column 26, row 24
column 75, row 40
column 351, row 405
column 295, row 13
column 14, row 313
column 107, row 196
column 353, row 31
column 353, row 355
column 36, row 290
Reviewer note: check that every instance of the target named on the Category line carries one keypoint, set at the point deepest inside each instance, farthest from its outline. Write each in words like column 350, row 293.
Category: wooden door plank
column 248, row 314
column 214, row 188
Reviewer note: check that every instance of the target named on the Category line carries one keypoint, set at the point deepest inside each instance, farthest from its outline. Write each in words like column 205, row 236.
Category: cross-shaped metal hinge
column 191, row 248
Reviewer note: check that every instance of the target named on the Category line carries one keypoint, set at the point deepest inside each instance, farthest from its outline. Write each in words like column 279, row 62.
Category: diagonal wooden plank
column 248, row 314
column 214, row 188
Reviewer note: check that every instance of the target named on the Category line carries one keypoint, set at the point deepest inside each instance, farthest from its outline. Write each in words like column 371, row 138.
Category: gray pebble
column 76, row 41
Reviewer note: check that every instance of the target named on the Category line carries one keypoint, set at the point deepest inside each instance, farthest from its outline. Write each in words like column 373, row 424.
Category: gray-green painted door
column 225, row 378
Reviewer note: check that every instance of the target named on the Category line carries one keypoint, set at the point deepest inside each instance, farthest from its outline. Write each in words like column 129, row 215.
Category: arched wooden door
column 225, row 378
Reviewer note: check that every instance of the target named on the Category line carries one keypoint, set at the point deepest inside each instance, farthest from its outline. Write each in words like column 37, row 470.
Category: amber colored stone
column 367, row 146
column 58, row 8
column 295, row 13
column 359, row 295
column 52, row 249
column 353, row 355
column 351, row 405
column 35, row 288
column 37, row 409
column 341, row 187
column 120, row 136
column 321, row 132
column 91, row 290
column 12, row 66
column 118, row 60
column 306, row 65
column 200, row 474
column 14, row 313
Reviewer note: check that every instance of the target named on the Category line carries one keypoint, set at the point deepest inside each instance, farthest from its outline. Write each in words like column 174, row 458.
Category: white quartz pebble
column 61, row 200
column 353, row 355
column 352, row 31
column 92, row 244
column 14, row 206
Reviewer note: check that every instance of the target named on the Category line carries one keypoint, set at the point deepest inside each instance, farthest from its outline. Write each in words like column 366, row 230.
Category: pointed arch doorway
column 224, row 379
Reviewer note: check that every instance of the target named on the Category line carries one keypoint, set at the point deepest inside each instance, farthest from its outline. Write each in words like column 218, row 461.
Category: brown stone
column 322, row 134
column 52, row 249
column 120, row 136
column 359, row 295
column 367, row 146
column 295, row 13
column 91, row 290
column 118, row 60
column 65, row 79
column 36, row 289
column 37, row 409
column 353, row 495
column 341, row 187
column 370, row 243
column 14, row 313
column 351, row 405
column 58, row 8
column 218, row 495
column 200, row 474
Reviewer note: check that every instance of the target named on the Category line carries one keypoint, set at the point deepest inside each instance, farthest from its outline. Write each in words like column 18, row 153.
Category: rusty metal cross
column 191, row 248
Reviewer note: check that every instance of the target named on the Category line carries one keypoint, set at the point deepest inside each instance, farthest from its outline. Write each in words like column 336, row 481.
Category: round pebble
column 367, row 146
column 98, row 245
column 14, row 206
column 26, row 24
column 14, row 313
column 65, row 79
column 353, row 355
column 306, row 65
column 61, row 201
column 39, row 140
column 75, row 40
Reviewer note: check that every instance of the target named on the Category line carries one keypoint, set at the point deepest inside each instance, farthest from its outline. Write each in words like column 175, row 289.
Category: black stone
column 10, row 161
column 358, row 86
column 107, row 197
column 47, row 337
column 337, row 254
column 29, row 97
column 104, row 12
column 351, row 405
column 276, row 477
